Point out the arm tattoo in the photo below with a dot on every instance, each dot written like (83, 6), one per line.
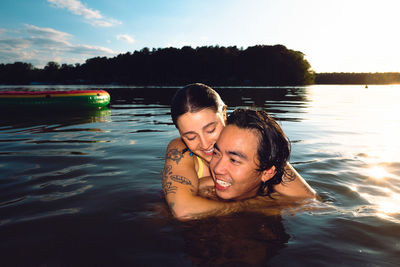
(288, 176)
(167, 186)
(175, 155)
(167, 176)
(181, 179)
(166, 172)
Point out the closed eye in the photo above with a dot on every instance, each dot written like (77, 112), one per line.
(212, 130)
(190, 138)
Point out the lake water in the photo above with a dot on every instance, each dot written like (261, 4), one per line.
(84, 189)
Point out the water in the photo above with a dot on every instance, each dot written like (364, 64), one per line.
(83, 189)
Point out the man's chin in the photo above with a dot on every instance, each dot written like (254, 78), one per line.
(223, 195)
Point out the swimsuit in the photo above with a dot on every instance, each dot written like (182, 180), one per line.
(201, 167)
(200, 171)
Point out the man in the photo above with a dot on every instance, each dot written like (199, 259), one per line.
(250, 156)
(249, 160)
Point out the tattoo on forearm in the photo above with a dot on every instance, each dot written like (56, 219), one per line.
(167, 186)
(175, 155)
(181, 179)
(166, 171)
(288, 176)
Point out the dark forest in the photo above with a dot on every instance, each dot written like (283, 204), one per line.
(214, 65)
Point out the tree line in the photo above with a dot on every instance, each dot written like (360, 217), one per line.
(358, 78)
(214, 65)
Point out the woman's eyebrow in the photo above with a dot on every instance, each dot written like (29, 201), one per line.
(204, 127)
(188, 132)
(209, 124)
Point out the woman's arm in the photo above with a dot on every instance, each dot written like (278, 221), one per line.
(293, 185)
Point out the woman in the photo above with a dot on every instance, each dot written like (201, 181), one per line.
(199, 114)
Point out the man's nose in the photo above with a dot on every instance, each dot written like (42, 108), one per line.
(219, 165)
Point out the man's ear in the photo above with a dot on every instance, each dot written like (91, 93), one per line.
(268, 174)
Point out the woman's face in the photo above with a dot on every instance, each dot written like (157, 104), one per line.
(200, 130)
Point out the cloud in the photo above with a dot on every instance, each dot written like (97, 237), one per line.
(38, 46)
(46, 33)
(90, 50)
(126, 38)
(92, 16)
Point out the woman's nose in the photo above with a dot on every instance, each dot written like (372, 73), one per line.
(204, 143)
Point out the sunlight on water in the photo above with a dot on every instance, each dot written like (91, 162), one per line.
(377, 172)
(367, 129)
(384, 204)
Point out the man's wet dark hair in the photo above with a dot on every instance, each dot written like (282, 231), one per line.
(193, 98)
(273, 145)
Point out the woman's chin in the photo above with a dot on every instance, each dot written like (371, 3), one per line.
(204, 156)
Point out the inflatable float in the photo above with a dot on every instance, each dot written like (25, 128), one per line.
(75, 99)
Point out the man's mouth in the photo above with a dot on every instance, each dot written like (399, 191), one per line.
(221, 185)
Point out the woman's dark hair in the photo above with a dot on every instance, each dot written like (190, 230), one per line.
(273, 146)
(195, 97)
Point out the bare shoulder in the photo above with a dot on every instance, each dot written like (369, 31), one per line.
(177, 142)
(176, 151)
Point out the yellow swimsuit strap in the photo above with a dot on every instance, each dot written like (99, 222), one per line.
(200, 171)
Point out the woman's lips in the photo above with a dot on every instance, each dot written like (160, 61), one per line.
(208, 152)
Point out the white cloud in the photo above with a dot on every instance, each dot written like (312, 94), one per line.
(76, 7)
(125, 37)
(90, 50)
(46, 33)
(38, 46)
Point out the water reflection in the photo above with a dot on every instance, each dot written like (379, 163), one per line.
(243, 239)
(276, 100)
(36, 121)
(232, 96)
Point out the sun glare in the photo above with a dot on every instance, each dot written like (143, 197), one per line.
(390, 205)
(386, 207)
(377, 172)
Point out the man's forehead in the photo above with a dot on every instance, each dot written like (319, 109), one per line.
(237, 140)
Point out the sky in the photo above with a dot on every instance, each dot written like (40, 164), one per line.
(335, 36)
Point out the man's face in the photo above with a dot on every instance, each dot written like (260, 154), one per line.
(234, 164)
